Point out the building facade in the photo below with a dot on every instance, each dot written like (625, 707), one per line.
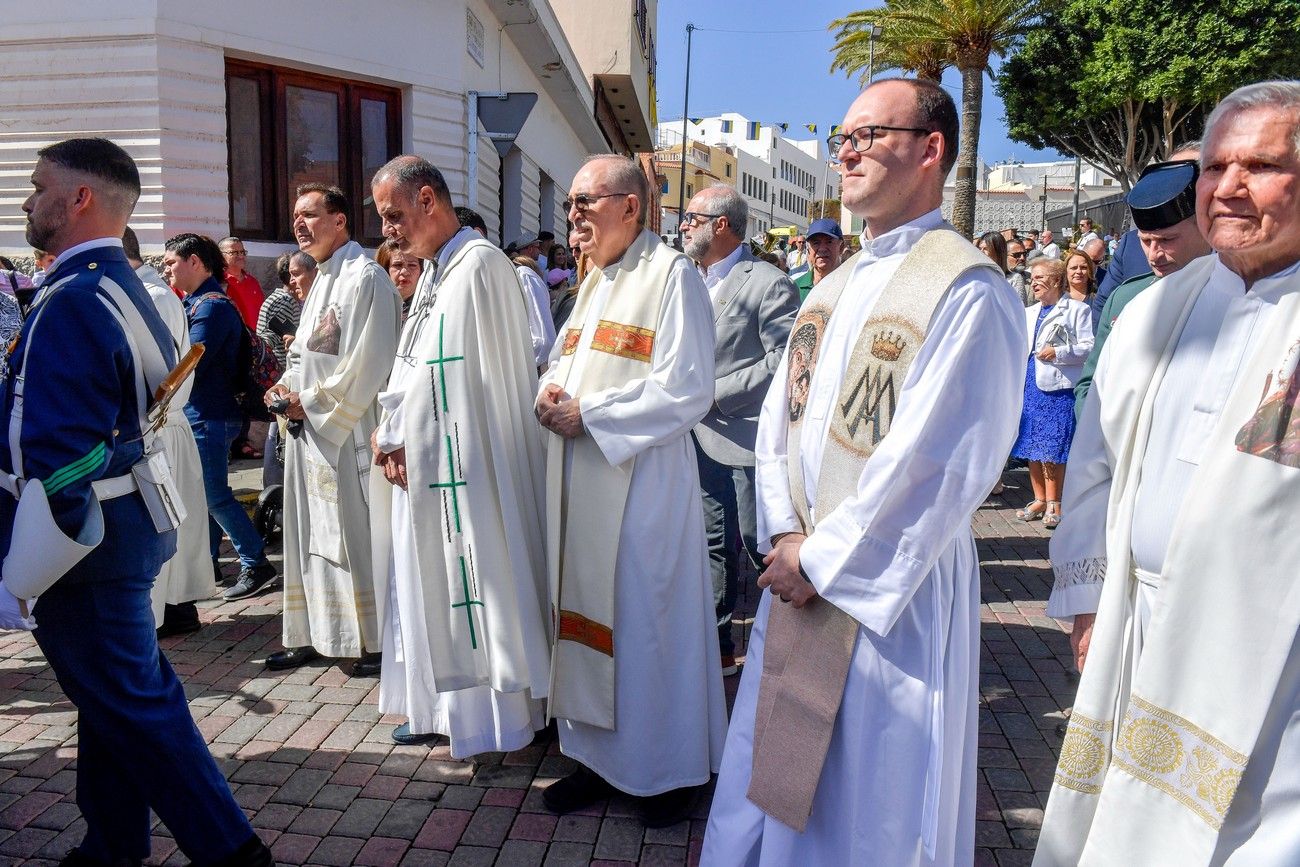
(779, 177)
(228, 107)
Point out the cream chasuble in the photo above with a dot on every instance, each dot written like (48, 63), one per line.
(1185, 736)
(341, 356)
(637, 685)
(461, 556)
(898, 783)
(187, 576)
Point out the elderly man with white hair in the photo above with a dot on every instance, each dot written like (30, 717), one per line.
(1184, 744)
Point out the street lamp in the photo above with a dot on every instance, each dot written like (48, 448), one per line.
(872, 35)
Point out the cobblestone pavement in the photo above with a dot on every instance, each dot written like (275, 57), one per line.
(311, 760)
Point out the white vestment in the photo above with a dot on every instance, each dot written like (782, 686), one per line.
(669, 703)
(341, 356)
(898, 784)
(537, 302)
(466, 652)
(187, 576)
(1149, 489)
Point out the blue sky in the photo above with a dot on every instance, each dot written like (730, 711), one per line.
(777, 69)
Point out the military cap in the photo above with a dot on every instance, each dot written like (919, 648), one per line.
(1164, 195)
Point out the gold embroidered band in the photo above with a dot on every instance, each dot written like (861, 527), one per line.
(585, 631)
(625, 341)
(570, 345)
(1172, 754)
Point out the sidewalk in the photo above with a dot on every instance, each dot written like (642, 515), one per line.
(311, 760)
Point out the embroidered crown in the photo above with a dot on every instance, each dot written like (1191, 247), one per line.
(887, 346)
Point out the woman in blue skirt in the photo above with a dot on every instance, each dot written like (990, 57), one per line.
(1060, 338)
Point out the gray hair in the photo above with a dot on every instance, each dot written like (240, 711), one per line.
(1283, 96)
(303, 260)
(411, 174)
(626, 176)
(732, 206)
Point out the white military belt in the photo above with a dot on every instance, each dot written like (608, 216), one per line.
(105, 489)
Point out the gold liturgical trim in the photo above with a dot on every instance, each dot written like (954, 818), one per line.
(1085, 754)
(1184, 761)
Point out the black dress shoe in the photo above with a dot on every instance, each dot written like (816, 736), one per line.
(669, 808)
(582, 788)
(252, 854)
(402, 735)
(179, 619)
(368, 665)
(291, 658)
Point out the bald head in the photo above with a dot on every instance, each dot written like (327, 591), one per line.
(1095, 250)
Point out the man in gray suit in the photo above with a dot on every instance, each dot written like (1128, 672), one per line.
(754, 306)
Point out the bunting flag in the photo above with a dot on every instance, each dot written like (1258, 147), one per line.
(698, 120)
(726, 126)
(835, 129)
(811, 127)
(783, 126)
(752, 130)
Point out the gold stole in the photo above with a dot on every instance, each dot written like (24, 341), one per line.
(807, 651)
(585, 516)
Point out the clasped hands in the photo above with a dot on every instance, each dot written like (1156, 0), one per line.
(783, 575)
(559, 413)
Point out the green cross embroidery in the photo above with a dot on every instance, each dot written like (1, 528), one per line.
(451, 487)
(442, 360)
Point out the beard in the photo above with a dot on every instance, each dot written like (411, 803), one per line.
(42, 231)
(699, 243)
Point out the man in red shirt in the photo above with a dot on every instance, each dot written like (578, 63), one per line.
(241, 287)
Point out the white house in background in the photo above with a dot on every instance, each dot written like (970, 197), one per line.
(787, 174)
(1029, 176)
(227, 107)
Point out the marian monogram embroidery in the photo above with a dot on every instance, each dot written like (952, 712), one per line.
(866, 404)
(1273, 432)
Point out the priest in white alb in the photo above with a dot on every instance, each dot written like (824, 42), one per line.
(637, 680)
(459, 534)
(188, 575)
(1183, 485)
(853, 735)
(341, 356)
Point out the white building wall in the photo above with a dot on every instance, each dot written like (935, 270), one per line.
(151, 76)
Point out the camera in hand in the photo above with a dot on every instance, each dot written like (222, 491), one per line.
(280, 406)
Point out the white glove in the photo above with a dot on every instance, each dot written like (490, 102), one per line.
(11, 613)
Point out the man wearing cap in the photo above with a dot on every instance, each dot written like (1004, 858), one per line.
(537, 298)
(1184, 741)
(754, 305)
(1163, 204)
(825, 247)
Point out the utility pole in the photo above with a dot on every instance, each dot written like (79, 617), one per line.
(1074, 211)
(872, 35)
(1043, 197)
(686, 102)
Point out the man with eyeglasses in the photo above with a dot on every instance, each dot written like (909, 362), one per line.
(754, 305)
(241, 286)
(1017, 273)
(636, 685)
(853, 736)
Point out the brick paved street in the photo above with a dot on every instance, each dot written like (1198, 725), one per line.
(311, 760)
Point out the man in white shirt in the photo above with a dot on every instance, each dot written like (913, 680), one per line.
(754, 305)
(1184, 741)
(1086, 233)
(1050, 248)
(853, 736)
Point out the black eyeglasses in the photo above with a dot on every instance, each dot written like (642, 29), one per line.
(694, 218)
(583, 201)
(1016, 255)
(862, 138)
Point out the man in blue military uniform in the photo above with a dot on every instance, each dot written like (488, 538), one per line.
(77, 460)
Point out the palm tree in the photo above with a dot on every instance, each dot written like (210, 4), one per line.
(894, 48)
(961, 33)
